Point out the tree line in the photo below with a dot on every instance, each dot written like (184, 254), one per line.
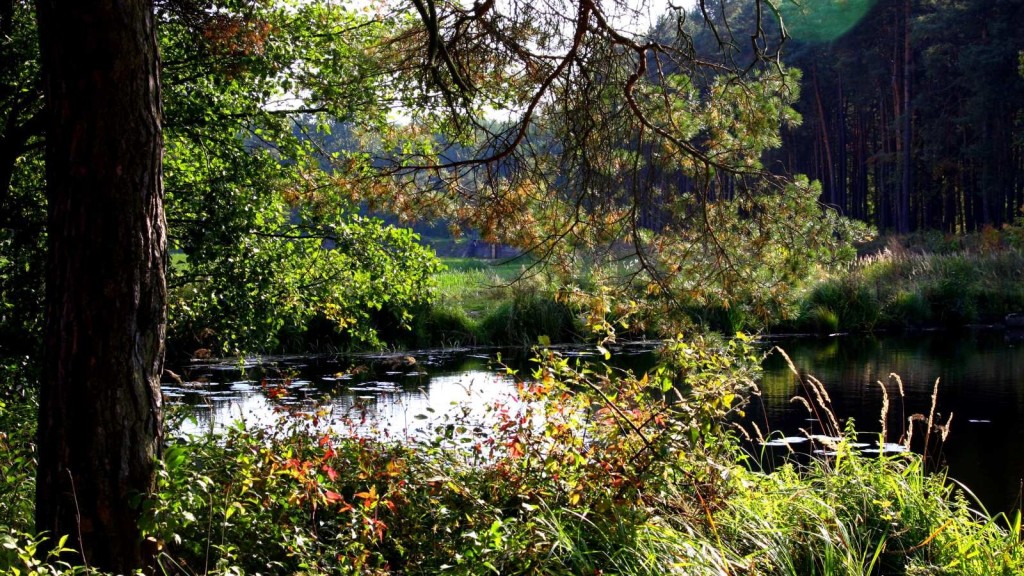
(912, 120)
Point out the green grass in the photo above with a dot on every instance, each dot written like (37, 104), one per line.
(901, 289)
(477, 286)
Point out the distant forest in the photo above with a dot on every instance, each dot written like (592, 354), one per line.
(912, 110)
(914, 118)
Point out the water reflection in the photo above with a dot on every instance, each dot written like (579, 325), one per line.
(981, 384)
(360, 396)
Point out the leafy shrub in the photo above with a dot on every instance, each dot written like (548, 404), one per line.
(907, 310)
(820, 319)
(568, 482)
(33, 555)
(528, 316)
(852, 304)
(18, 408)
(445, 325)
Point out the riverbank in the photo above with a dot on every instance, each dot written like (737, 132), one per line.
(900, 284)
(568, 483)
(902, 289)
(897, 284)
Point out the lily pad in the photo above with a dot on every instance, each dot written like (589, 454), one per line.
(787, 441)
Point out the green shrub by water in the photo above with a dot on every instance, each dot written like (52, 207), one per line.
(483, 303)
(527, 316)
(901, 289)
(840, 304)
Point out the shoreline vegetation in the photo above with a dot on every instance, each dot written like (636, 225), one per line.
(600, 472)
(910, 283)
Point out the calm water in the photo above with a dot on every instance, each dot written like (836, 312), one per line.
(982, 384)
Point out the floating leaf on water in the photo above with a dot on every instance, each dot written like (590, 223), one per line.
(787, 441)
(824, 439)
(887, 448)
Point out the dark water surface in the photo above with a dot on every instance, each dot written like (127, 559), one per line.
(981, 382)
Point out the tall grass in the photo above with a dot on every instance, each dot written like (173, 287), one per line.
(903, 289)
(846, 513)
(855, 515)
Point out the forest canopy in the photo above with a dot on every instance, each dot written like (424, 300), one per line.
(551, 126)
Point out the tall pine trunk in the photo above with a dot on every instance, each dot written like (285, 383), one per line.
(100, 405)
(906, 158)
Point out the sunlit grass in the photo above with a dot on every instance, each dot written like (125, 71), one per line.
(903, 289)
(477, 286)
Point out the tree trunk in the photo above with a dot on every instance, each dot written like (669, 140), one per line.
(828, 168)
(100, 405)
(906, 160)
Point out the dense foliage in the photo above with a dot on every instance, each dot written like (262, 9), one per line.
(263, 245)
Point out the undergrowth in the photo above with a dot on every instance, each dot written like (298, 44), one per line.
(589, 470)
(904, 289)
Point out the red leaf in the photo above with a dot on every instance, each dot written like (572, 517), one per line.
(331, 472)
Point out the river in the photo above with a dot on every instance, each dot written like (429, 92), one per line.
(980, 373)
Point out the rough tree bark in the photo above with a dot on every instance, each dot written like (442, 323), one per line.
(100, 413)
